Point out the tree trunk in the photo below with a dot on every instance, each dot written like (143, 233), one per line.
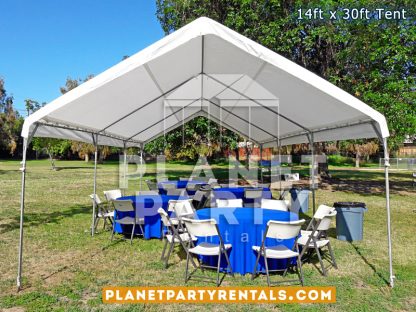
(87, 158)
(357, 160)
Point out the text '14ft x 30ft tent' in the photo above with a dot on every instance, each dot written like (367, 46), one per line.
(206, 69)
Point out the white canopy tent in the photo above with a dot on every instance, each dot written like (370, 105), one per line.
(206, 69)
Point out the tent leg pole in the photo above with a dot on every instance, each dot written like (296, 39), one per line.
(22, 210)
(386, 173)
(141, 166)
(261, 167)
(94, 205)
(311, 140)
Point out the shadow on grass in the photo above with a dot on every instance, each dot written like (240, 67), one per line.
(73, 168)
(370, 265)
(36, 219)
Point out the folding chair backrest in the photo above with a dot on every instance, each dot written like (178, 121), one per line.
(274, 204)
(283, 230)
(212, 180)
(322, 211)
(97, 199)
(123, 205)
(112, 194)
(199, 195)
(253, 193)
(151, 185)
(326, 221)
(193, 186)
(176, 192)
(264, 185)
(165, 217)
(224, 203)
(147, 193)
(183, 208)
(202, 228)
(168, 186)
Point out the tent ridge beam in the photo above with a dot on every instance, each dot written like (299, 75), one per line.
(148, 103)
(241, 118)
(257, 102)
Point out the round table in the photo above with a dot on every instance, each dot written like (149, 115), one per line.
(244, 228)
(146, 206)
(179, 184)
(238, 192)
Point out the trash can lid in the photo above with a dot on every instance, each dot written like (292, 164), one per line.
(349, 205)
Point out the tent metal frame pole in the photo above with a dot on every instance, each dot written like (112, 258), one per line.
(22, 209)
(386, 173)
(141, 166)
(26, 142)
(124, 168)
(261, 161)
(94, 204)
(312, 148)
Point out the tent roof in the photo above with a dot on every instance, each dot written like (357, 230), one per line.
(206, 69)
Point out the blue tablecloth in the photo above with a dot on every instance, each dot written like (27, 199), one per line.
(146, 206)
(237, 192)
(179, 185)
(243, 228)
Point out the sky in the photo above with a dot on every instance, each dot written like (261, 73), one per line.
(45, 41)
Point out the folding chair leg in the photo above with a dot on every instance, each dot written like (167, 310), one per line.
(229, 263)
(253, 275)
(287, 267)
(218, 269)
(267, 270)
(187, 267)
(132, 234)
(299, 269)
(169, 252)
(164, 250)
(320, 260)
(113, 230)
(331, 252)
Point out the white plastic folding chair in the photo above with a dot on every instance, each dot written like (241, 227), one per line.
(126, 206)
(321, 212)
(206, 228)
(280, 230)
(225, 203)
(110, 196)
(317, 238)
(253, 194)
(212, 181)
(183, 208)
(274, 204)
(173, 237)
(101, 212)
(199, 199)
(185, 179)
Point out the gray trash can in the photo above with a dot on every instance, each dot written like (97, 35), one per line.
(300, 200)
(350, 219)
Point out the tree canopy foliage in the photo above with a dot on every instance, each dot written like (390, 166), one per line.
(373, 60)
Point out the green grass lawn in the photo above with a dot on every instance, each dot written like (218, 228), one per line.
(65, 268)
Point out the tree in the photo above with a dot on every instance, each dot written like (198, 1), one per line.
(373, 60)
(51, 146)
(82, 149)
(10, 122)
(198, 138)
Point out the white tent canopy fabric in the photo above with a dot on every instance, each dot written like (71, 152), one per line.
(205, 69)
